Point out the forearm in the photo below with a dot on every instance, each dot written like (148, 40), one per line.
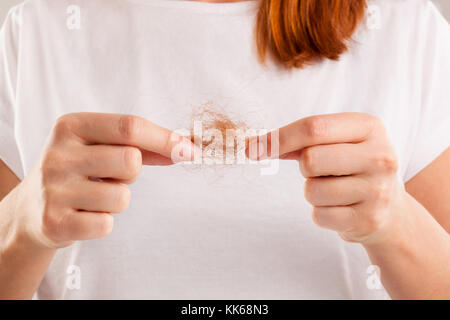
(414, 259)
(23, 263)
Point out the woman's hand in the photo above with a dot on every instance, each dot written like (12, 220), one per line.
(81, 177)
(350, 169)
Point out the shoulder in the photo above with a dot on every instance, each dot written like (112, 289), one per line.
(407, 12)
(42, 16)
(55, 9)
(401, 4)
(405, 26)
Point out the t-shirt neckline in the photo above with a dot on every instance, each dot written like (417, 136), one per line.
(240, 7)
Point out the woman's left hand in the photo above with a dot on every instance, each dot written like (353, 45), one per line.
(350, 167)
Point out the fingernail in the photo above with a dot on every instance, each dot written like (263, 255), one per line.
(183, 151)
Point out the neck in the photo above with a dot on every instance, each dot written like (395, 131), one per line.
(220, 1)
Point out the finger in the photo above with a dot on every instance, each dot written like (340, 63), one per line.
(335, 191)
(116, 129)
(340, 219)
(155, 159)
(344, 159)
(294, 155)
(315, 130)
(333, 160)
(100, 197)
(106, 161)
(79, 225)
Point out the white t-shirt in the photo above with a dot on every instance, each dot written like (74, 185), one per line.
(228, 233)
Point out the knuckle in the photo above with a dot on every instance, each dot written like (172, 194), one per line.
(315, 127)
(307, 162)
(129, 127)
(52, 222)
(376, 123)
(64, 125)
(123, 199)
(386, 162)
(105, 225)
(48, 195)
(318, 217)
(310, 190)
(375, 220)
(49, 220)
(53, 165)
(133, 161)
(378, 129)
(50, 164)
(381, 193)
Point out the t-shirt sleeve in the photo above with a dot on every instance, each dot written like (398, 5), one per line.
(9, 52)
(432, 133)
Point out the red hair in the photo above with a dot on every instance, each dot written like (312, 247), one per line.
(299, 32)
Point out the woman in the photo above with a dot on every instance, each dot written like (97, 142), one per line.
(359, 90)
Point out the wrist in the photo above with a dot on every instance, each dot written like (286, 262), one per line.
(18, 231)
(395, 231)
(23, 261)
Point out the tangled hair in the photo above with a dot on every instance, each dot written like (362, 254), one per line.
(221, 133)
(299, 32)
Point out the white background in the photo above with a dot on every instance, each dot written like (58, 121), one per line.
(6, 4)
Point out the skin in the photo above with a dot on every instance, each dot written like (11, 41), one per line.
(350, 169)
(356, 195)
(404, 230)
(59, 203)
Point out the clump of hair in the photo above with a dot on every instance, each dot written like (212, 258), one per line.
(220, 138)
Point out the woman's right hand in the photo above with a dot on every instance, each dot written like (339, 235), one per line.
(82, 175)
